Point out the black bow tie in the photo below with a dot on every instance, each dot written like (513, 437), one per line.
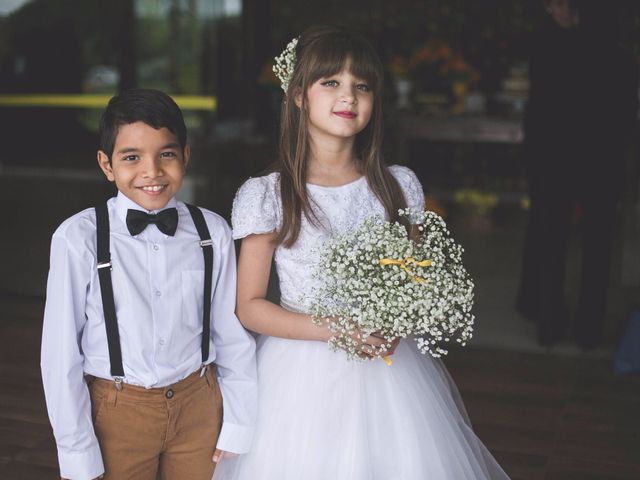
(166, 221)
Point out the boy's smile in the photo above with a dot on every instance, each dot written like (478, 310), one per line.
(147, 165)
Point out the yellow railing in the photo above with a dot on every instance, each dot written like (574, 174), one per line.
(90, 100)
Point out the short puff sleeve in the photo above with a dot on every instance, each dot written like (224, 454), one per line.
(256, 207)
(410, 185)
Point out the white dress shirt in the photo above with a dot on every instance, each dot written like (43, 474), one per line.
(158, 288)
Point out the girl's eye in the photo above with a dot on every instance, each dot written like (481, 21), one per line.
(130, 158)
(363, 87)
(329, 83)
(168, 154)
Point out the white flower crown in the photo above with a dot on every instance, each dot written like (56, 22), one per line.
(285, 64)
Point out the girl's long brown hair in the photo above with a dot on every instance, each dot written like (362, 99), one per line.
(322, 52)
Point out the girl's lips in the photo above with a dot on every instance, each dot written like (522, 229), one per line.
(346, 114)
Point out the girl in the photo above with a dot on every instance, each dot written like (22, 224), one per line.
(321, 415)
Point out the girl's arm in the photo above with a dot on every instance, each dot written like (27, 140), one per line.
(257, 313)
(260, 315)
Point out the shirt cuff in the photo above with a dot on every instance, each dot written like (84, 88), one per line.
(235, 438)
(85, 465)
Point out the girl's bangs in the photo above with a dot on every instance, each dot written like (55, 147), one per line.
(331, 59)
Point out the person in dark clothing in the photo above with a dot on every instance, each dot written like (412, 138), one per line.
(582, 102)
(610, 86)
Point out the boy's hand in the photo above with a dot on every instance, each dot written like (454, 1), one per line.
(220, 454)
(216, 455)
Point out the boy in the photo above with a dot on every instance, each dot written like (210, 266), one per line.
(130, 384)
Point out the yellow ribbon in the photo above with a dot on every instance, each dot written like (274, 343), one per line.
(402, 263)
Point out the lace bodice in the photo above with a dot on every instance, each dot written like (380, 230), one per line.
(257, 209)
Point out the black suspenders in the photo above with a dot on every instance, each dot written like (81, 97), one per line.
(207, 251)
(106, 287)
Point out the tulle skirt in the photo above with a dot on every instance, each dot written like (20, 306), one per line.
(324, 417)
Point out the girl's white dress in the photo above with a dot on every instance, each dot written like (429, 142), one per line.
(324, 417)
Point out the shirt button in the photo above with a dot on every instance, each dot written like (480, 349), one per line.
(158, 293)
(156, 247)
(169, 394)
(161, 342)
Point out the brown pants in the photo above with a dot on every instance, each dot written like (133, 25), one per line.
(159, 433)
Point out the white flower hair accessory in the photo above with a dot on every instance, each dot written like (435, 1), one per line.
(285, 64)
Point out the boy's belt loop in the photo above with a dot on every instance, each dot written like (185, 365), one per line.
(117, 383)
(210, 376)
(112, 397)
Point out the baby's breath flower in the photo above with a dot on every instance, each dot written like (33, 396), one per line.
(400, 297)
(285, 64)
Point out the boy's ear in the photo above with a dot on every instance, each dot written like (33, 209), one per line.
(105, 165)
(186, 154)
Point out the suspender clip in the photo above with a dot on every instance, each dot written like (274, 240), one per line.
(206, 243)
(118, 383)
(105, 265)
(203, 369)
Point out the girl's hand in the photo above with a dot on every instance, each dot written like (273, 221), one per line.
(367, 346)
(373, 342)
(394, 344)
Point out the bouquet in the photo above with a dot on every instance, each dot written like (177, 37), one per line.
(376, 279)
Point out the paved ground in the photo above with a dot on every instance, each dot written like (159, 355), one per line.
(544, 416)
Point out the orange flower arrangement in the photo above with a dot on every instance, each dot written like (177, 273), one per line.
(434, 51)
(435, 67)
(458, 70)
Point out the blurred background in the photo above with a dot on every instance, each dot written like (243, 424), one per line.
(457, 86)
(456, 89)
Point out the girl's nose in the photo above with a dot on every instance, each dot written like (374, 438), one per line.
(348, 96)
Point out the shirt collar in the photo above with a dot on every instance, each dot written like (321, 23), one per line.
(124, 203)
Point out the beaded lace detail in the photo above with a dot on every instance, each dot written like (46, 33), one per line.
(257, 209)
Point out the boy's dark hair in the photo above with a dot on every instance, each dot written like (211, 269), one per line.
(153, 107)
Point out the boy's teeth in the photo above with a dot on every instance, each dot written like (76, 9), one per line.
(153, 188)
